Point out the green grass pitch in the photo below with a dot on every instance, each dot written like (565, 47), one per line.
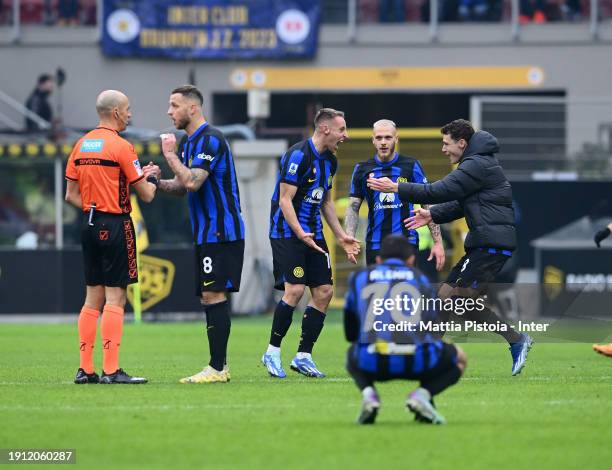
(556, 414)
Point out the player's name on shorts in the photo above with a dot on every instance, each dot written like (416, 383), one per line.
(453, 326)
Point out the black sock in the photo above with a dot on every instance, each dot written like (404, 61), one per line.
(488, 316)
(218, 330)
(312, 324)
(435, 385)
(283, 316)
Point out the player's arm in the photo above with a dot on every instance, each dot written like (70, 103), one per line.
(351, 219)
(173, 187)
(285, 201)
(447, 212)
(458, 184)
(437, 250)
(73, 194)
(348, 242)
(190, 178)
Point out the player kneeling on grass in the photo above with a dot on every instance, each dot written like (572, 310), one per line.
(388, 343)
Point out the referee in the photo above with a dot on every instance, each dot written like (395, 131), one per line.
(100, 171)
(204, 168)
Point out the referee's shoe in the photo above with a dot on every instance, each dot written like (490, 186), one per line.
(121, 377)
(83, 377)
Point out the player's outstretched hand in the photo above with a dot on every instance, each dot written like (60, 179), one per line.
(601, 235)
(168, 142)
(384, 185)
(308, 239)
(351, 247)
(420, 218)
(437, 252)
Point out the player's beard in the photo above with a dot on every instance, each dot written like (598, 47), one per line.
(182, 123)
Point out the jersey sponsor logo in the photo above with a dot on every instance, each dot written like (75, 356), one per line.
(293, 168)
(387, 201)
(203, 156)
(298, 272)
(92, 145)
(316, 196)
(136, 164)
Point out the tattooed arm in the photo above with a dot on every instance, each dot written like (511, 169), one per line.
(351, 219)
(191, 178)
(173, 187)
(434, 228)
(437, 250)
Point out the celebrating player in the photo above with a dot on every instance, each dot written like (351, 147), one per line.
(299, 250)
(479, 191)
(385, 211)
(205, 169)
(100, 171)
(392, 343)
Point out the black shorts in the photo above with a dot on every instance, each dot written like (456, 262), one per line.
(428, 360)
(296, 263)
(478, 268)
(218, 266)
(109, 250)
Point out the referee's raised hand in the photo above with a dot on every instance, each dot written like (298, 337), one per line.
(308, 239)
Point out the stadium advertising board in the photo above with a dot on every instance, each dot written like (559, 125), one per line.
(209, 29)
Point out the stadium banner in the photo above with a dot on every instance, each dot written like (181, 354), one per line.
(211, 29)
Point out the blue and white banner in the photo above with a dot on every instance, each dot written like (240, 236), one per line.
(211, 29)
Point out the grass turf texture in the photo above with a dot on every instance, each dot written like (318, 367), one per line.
(556, 414)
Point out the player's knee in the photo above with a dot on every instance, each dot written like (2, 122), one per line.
(293, 293)
(323, 294)
(209, 298)
(461, 359)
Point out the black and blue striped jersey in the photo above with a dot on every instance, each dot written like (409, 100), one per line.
(312, 173)
(385, 210)
(214, 209)
(383, 300)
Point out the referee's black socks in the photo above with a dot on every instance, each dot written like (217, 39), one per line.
(312, 324)
(218, 325)
(283, 316)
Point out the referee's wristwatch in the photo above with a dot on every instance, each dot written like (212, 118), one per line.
(153, 179)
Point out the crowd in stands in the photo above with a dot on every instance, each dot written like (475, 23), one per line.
(83, 12)
(537, 11)
(399, 11)
(51, 12)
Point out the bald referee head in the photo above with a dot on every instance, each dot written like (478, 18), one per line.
(113, 108)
